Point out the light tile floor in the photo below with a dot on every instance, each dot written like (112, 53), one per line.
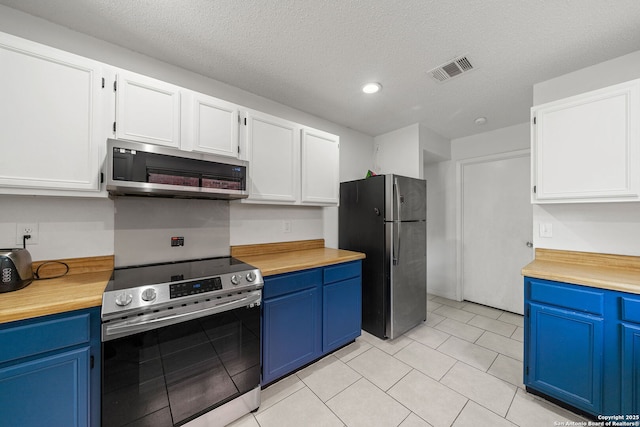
(462, 367)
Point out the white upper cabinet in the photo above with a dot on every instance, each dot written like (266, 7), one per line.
(289, 163)
(147, 110)
(586, 148)
(274, 158)
(320, 167)
(53, 130)
(58, 109)
(210, 125)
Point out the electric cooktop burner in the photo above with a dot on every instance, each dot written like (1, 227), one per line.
(154, 274)
(143, 288)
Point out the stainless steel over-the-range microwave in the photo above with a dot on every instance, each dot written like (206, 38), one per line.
(139, 169)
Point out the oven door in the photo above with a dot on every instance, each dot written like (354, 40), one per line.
(180, 367)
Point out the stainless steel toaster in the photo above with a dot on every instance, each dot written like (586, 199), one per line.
(15, 269)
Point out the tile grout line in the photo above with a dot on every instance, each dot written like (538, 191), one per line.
(511, 404)
(400, 403)
(325, 403)
(480, 404)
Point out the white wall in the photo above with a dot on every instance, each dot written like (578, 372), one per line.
(356, 158)
(355, 151)
(441, 243)
(68, 227)
(264, 223)
(435, 151)
(498, 141)
(433, 147)
(398, 152)
(590, 227)
(442, 198)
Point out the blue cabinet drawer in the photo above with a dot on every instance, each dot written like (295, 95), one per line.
(579, 298)
(342, 271)
(286, 283)
(630, 309)
(36, 336)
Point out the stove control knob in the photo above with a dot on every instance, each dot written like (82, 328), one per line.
(123, 299)
(251, 276)
(149, 294)
(235, 279)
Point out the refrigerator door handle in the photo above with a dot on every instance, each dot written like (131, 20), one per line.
(398, 222)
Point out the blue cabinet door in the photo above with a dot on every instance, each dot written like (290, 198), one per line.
(53, 391)
(291, 332)
(341, 313)
(630, 369)
(50, 367)
(565, 356)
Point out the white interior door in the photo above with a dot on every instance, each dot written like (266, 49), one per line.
(496, 224)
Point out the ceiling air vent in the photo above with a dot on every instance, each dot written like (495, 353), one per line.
(451, 69)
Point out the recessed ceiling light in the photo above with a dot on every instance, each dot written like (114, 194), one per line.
(481, 121)
(371, 87)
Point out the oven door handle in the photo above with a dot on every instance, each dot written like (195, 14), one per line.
(129, 327)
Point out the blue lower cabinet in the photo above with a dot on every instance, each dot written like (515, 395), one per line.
(341, 313)
(291, 336)
(582, 346)
(630, 369)
(50, 370)
(52, 390)
(566, 356)
(307, 314)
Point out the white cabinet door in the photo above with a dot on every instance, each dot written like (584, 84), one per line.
(320, 167)
(274, 165)
(587, 148)
(211, 125)
(52, 130)
(147, 110)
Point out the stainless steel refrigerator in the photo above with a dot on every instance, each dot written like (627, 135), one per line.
(385, 217)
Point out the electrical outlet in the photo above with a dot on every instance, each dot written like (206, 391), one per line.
(286, 226)
(31, 228)
(546, 229)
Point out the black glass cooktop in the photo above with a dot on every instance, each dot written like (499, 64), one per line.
(155, 274)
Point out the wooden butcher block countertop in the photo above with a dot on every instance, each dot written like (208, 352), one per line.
(277, 258)
(81, 288)
(84, 285)
(605, 271)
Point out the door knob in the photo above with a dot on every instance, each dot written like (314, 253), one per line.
(529, 244)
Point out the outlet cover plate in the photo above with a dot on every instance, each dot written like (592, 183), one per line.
(31, 228)
(546, 229)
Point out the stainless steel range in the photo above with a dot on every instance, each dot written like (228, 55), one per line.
(181, 343)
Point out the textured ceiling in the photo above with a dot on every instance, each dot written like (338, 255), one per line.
(314, 55)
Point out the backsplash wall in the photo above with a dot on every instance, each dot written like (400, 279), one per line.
(144, 227)
(69, 227)
(266, 223)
